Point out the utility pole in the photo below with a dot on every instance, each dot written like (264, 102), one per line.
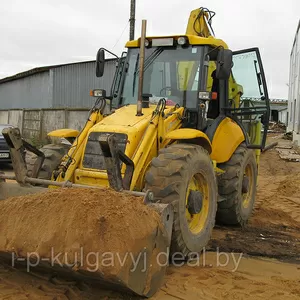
(132, 20)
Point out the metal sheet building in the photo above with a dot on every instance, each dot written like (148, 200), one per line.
(294, 89)
(66, 85)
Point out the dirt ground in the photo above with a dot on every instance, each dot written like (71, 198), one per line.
(261, 261)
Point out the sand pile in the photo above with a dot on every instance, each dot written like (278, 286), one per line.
(85, 227)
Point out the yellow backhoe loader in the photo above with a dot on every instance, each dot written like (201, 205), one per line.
(183, 126)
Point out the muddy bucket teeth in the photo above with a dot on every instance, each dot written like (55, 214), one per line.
(39, 230)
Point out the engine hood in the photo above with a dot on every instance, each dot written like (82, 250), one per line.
(125, 117)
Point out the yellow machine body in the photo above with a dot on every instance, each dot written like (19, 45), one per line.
(119, 148)
(146, 135)
(149, 133)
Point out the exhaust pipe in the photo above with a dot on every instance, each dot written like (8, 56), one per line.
(141, 73)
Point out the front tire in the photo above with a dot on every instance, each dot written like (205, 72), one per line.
(53, 156)
(183, 175)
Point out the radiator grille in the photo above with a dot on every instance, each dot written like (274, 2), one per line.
(93, 156)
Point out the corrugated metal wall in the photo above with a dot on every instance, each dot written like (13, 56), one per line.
(294, 86)
(65, 86)
(72, 83)
(28, 92)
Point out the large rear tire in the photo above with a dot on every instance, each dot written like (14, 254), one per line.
(237, 187)
(183, 175)
(53, 155)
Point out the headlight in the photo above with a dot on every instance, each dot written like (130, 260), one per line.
(98, 93)
(205, 96)
(182, 40)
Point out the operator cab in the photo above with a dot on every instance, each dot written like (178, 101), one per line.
(188, 71)
(176, 69)
(171, 71)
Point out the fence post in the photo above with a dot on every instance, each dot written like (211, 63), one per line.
(8, 117)
(66, 122)
(41, 124)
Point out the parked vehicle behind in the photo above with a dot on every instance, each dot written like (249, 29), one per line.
(4, 149)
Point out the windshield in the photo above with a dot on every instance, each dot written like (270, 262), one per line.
(169, 72)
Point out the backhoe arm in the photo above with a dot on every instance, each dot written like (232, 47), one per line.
(199, 22)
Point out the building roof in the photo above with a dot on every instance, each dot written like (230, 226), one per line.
(43, 69)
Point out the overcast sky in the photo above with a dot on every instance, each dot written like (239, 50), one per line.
(45, 32)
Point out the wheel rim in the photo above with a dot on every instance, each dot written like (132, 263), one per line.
(196, 222)
(248, 195)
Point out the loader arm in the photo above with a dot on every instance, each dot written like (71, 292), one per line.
(70, 163)
(156, 133)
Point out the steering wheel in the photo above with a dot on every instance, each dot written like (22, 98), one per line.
(165, 88)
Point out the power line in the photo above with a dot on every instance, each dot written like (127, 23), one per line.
(120, 36)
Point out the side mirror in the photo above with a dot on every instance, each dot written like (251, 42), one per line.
(100, 61)
(224, 64)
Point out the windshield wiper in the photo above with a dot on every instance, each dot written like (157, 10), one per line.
(258, 77)
(135, 73)
(147, 63)
(152, 57)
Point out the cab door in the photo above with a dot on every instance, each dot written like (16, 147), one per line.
(253, 110)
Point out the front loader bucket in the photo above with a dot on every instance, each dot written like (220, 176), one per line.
(101, 236)
(119, 240)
